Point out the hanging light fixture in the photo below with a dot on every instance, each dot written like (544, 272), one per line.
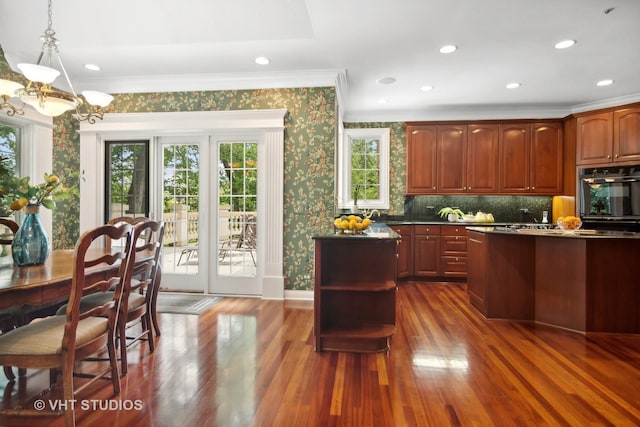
(41, 95)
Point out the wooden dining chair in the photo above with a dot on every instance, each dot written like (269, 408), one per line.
(58, 342)
(157, 273)
(128, 220)
(7, 317)
(138, 294)
(139, 297)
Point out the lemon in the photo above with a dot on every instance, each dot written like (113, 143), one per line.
(366, 223)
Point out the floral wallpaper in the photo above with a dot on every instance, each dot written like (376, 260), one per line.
(309, 140)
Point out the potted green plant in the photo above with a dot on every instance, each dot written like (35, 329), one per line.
(452, 214)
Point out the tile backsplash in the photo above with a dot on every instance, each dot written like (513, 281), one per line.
(503, 208)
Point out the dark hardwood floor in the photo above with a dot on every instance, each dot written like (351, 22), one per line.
(248, 362)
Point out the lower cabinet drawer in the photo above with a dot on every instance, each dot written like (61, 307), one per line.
(454, 266)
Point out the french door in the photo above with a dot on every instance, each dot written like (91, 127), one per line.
(209, 188)
(180, 181)
(237, 206)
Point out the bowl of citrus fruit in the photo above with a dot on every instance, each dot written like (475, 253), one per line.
(569, 223)
(351, 224)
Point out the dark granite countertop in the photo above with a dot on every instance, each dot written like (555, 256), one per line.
(377, 230)
(461, 223)
(557, 233)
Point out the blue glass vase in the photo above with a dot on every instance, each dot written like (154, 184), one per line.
(30, 244)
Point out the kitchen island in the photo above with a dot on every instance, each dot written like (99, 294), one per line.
(355, 290)
(584, 281)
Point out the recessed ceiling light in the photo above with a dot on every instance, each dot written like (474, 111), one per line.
(386, 81)
(92, 67)
(382, 101)
(513, 85)
(426, 88)
(448, 48)
(565, 44)
(261, 60)
(605, 82)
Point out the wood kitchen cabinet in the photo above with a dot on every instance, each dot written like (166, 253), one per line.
(626, 135)
(405, 249)
(531, 158)
(485, 158)
(594, 138)
(439, 251)
(421, 159)
(467, 158)
(354, 292)
(608, 137)
(426, 250)
(451, 159)
(482, 158)
(453, 251)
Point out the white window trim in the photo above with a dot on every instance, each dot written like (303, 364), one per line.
(345, 198)
(36, 152)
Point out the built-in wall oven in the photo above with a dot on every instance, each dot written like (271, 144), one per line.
(609, 198)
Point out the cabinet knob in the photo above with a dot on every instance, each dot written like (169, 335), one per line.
(617, 155)
(457, 236)
(608, 157)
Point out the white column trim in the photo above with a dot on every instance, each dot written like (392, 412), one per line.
(273, 278)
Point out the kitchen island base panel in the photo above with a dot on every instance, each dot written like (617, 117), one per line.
(500, 272)
(560, 291)
(579, 282)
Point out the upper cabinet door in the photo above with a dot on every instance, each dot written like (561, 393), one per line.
(514, 158)
(421, 159)
(452, 158)
(626, 135)
(546, 158)
(482, 158)
(594, 138)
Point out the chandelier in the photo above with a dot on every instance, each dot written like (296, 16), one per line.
(41, 95)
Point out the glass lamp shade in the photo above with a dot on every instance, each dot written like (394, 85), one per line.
(100, 99)
(39, 73)
(52, 106)
(9, 88)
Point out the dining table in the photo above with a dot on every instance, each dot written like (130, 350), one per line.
(38, 286)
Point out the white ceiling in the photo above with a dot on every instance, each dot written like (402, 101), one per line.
(167, 45)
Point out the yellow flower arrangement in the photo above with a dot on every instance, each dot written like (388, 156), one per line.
(20, 193)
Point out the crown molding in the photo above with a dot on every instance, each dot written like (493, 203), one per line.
(205, 82)
(606, 103)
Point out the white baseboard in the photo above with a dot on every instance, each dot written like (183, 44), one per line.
(298, 295)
